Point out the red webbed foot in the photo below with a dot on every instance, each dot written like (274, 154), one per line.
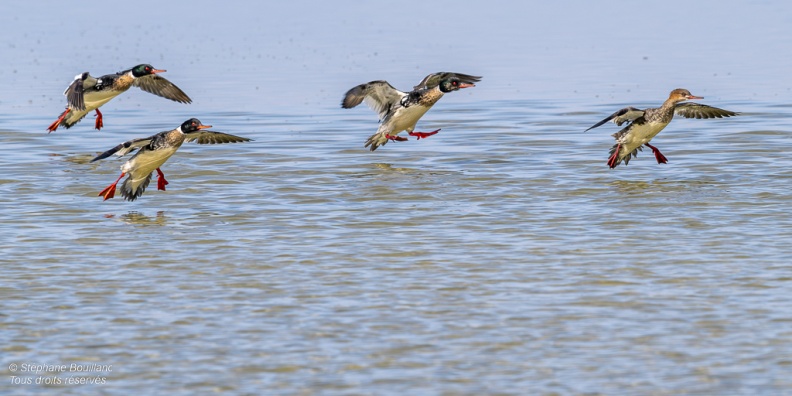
(57, 122)
(614, 159)
(161, 182)
(99, 123)
(109, 191)
(423, 134)
(396, 138)
(661, 159)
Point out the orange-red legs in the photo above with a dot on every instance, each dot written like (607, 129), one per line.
(423, 134)
(57, 122)
(614, 159)
(396, 138)
(661, 159)
(161, 182)
(99, 123)
(109, 191)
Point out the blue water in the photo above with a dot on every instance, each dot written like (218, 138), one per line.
(500, 256)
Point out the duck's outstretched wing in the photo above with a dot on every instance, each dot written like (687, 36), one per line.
(160, 86)
(125, 148)
(695, 110)
(212, 137)
(75, 91)
(434, 79)
(620, 117)
(379, 95)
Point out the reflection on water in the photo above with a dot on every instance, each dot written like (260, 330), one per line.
(499, 256)
(137, 218)
(662, 186)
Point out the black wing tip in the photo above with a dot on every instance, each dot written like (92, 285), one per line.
(183, 98)
(100, 157)
(215, 137)
(592, 127)
(599, 124)
(354, 97)
(348, 103)
(432, 80)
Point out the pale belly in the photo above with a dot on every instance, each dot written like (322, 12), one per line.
(638, 136)
(145, 162)
(93, 101)
(403, 120)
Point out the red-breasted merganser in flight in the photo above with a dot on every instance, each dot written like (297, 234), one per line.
(87, 93)
(400, 111)
(154, 151)
(646, 124)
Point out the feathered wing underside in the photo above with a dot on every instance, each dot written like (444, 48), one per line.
(434, 79)
(160, 86)
(76, 90)
(125, 148)
(379, 95)
(696, 110)
(212, 137)
(627, 114)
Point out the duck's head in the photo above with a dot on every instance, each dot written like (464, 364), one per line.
(681, 94)
(193, 125)
(144, 70)
(452, 84)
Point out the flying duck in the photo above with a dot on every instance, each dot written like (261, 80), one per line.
(400, 111)
(87, 93)
(643, 125)
(154, 151)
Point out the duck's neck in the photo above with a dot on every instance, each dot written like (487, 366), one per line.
(431, 96)
(665, 112)
(669, 105)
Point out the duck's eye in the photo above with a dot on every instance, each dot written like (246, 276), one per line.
(148, 68)
(454, 83)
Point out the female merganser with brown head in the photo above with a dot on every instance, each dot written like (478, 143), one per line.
(154, 151)
(87, 93)
(400, 111)
(643, 125)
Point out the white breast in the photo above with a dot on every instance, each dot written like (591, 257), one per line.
(146, 161)
(403, 119)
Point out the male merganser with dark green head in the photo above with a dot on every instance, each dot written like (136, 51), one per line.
(400, 111)
(154, 151)
(87, 93)
(643, 125)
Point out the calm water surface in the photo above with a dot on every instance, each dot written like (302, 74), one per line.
(500, 256)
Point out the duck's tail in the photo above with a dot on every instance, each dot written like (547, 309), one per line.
(381, 138)
(616, 158)
(134, 187)
(376, 140)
